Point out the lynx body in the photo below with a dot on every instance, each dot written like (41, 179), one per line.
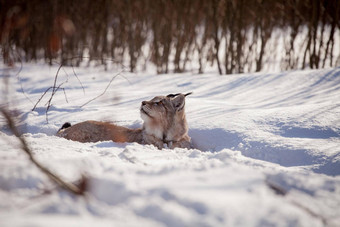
(165, 125)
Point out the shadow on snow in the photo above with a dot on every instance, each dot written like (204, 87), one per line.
(217, 139)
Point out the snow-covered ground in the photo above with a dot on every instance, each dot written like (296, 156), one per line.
(252, 132)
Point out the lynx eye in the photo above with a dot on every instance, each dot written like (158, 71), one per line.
(158, 103)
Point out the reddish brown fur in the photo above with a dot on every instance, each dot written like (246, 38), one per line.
(94, 131)
(164, 123)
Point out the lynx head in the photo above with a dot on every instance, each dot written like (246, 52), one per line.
(164, 115)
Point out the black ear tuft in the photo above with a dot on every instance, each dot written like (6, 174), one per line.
(65, 125)
(172, 95)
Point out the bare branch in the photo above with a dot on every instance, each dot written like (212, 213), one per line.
(107, 87)
(17, 75)
(56, 87)
(75, 74)
(73, 188)
(41, 97)
(283, 192)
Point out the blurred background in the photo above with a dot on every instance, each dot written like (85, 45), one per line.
(227, 36)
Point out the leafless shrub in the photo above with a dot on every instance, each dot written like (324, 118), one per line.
(59, 86)
(235, 33)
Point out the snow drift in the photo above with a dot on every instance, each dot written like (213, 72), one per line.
(255, 136)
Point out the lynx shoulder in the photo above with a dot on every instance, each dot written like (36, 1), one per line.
(164, 125)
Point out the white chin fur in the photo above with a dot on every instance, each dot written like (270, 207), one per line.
(144, 116)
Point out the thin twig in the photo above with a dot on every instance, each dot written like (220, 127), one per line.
(276, 188)
(74, 189)
(17, 75)
(65, 94)
(75, 74)
(107, 87)
(55, 88)
(283, 192)
(54, 91)
(49, 102)
(41, 97)
(56, 78)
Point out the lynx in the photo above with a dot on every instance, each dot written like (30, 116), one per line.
(164, 126)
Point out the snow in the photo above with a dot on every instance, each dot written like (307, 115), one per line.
(252, 133)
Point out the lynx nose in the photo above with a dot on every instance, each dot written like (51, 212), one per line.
(143, 103)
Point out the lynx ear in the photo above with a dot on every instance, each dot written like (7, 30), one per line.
(172, 95)
(178, 102)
